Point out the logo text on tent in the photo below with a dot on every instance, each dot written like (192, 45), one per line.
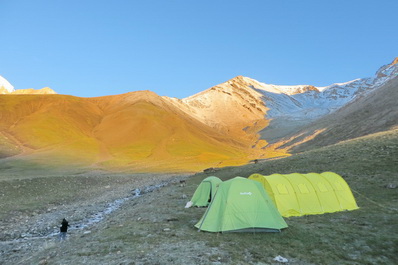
(246, 193)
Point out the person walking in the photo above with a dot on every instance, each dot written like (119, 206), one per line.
(63, 229)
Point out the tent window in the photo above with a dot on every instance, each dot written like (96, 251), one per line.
(322, 187)
(282, 189)
(303, 188)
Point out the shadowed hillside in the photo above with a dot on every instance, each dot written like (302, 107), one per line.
(375, 112)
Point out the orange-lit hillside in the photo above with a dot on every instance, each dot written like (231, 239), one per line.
(140, 131)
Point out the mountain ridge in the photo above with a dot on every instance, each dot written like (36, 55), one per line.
(44, 90)
(228, 124)
(368, 114)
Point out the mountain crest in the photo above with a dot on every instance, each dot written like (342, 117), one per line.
(44, 90)
(227, 124)
(7, 88)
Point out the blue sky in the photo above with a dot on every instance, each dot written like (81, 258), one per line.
(179, 48)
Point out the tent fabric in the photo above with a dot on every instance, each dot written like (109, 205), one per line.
(205, 192)
(305, 194)
(241, 205)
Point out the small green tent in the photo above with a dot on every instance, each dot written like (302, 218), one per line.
(303, 194)
(241, 205)
(204, 192)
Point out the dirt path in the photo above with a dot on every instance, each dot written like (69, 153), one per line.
(29, 235)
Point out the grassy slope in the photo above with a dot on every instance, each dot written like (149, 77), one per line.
(135, 234)
(365, 236)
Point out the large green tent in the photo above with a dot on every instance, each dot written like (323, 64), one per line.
(303, 194)
(241, 205)
(204, 192)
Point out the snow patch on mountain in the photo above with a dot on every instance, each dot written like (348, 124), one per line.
(309, 102)
(243, 99)
(288, 112)
(5, 86)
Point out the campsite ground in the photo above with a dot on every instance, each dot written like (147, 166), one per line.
(155, 228)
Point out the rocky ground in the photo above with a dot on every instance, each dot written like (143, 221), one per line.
(111, 224)
(25, 233)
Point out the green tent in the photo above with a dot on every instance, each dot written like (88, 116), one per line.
(241, 205)
(204, 192)
(303, 194)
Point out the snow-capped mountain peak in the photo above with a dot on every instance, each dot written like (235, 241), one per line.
(5, 86)
(242, 99)
(318, 101)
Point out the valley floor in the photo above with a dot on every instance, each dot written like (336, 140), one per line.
(155, 228)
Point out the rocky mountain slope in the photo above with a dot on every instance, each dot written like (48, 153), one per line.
(374, 112)
(291, 110)
(308, 102)
(278, 110)
(232, 108)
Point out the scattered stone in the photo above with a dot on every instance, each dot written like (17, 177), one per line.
(45, 224)
(136, 192)
(183, 183)
(184, 196)
(210, 170)
(281, 259)
(43, 262)
(391, 186)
